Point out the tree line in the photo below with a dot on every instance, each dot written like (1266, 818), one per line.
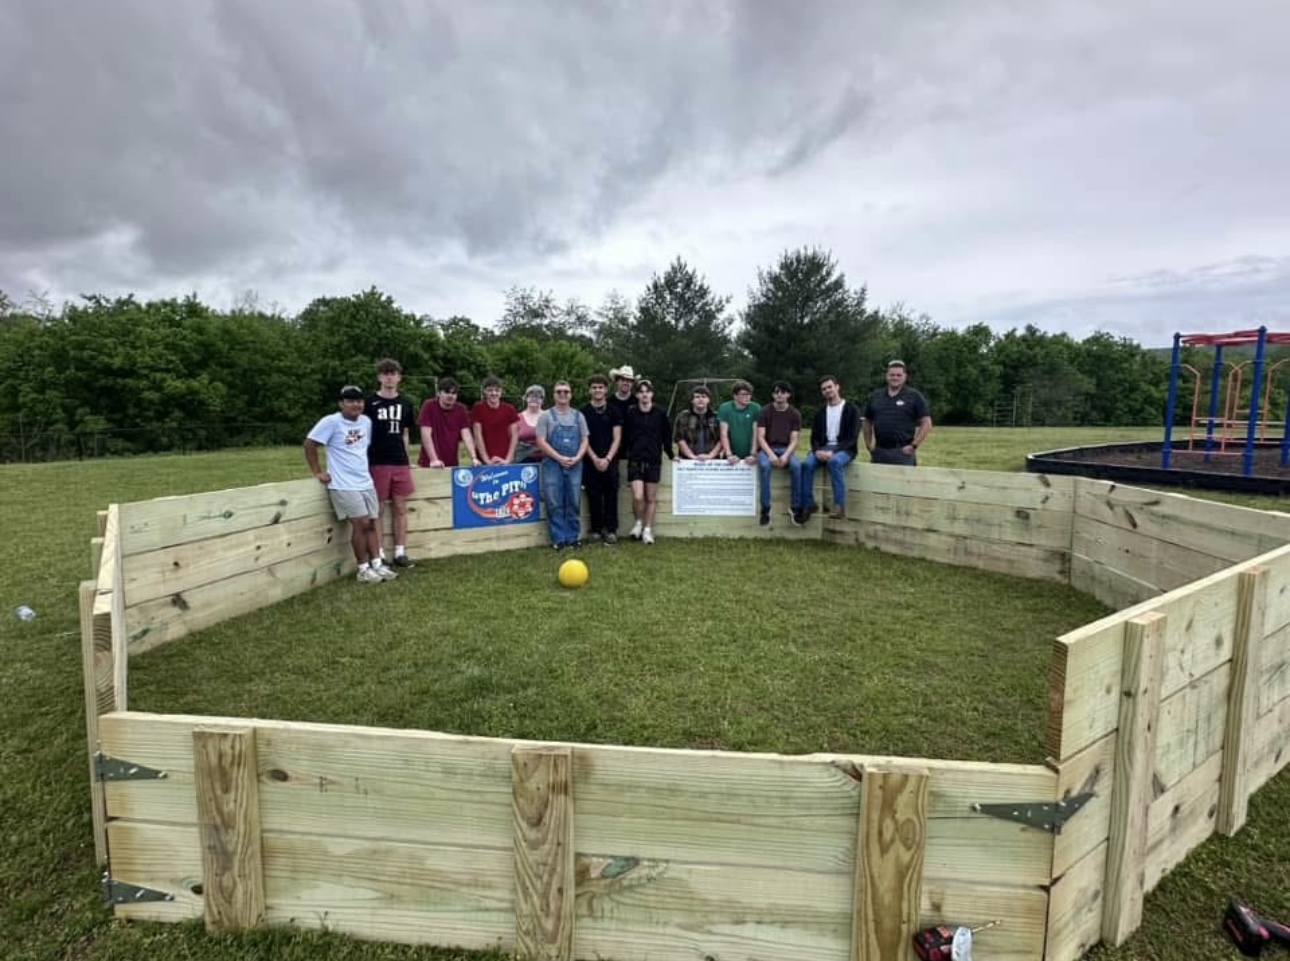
(116, 375)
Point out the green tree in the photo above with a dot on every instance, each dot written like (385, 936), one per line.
(536, 314)
(1129, 385)
(958, 373)
(342, 338)
(802, 322)
(678, 329)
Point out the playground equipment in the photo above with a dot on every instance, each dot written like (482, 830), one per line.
(1223, 430)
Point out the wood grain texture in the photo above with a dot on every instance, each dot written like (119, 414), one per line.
(226, 782)
(1181, 819)
(1131, 792)
(542, 804)
(1091, 771)
(1075, 908)
(1242, 699)
(1113, 588)
(891, 837)
(91, 679)
(186, 518)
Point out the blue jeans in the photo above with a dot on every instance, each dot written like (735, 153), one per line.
(794, 478)
(562, 487)
(837, 465)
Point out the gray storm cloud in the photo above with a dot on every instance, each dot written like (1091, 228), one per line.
(993, 160)
(211, 128)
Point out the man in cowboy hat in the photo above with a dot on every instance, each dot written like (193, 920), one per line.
(624, 395)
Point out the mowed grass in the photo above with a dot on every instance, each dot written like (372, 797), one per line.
(50, 907)
(738, 645)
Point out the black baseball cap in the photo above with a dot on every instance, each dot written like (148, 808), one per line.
(350, 392)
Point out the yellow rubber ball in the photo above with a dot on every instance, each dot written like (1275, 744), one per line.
(574, 574)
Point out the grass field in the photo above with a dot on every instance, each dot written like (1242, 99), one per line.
(50, 907)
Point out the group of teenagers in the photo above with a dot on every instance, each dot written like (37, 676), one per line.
(367, 443)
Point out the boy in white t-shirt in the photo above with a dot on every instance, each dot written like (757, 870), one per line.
(346, 435)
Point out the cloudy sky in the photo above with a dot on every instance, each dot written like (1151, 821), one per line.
(1078, 164)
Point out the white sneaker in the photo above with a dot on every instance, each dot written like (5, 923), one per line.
(636, 531)
(384, 573)
(369, 576)
(647, 536)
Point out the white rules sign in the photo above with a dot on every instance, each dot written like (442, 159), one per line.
(713, 488)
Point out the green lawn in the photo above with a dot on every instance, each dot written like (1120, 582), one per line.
(822, 698)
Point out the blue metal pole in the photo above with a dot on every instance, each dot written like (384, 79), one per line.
(1247, 462)
(1166, 451)
(1215, 382)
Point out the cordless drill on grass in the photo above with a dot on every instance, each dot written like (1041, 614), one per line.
(1251, 933)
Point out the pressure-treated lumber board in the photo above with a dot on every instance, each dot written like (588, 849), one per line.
(1091, 771)
(684, 910)
(1051, 492)
(1242, 700)
(185, 567)
(1273, 678)
(96, 556)
(626, 907)
(1181, 819)
(166, 619)
(1271, 748)
(1191, 727)
(1225, 531)
(109, 563)
(891, 838)
(96, 674)
(109, 601)
(384, 890)
(1020, 560)
(1075, 908)
(542, 805)
(708, 807)
(1085, 668)
(1113, 588)
(1143, 558)
(1011, 525)
(182, 519)
(1144, 638)
(226, 785)
(1277, 609)
(478, 540)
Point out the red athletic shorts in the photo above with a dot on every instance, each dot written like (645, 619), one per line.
(391, 481)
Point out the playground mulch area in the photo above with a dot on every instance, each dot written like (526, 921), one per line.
(1267, 459)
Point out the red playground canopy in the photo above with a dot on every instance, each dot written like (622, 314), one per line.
(1234, 339)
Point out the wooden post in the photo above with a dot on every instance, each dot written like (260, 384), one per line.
(891, 840)
(1135, 756)
(226, 778)
(1242, 699)
(542, 806)
(96, 556)
(96, 675)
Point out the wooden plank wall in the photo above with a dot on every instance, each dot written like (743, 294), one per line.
(1219, 654)
(1129, 544)
(1016, 524)
(432, 838)
(192, 561)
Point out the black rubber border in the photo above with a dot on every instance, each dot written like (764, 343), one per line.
(1067, 461)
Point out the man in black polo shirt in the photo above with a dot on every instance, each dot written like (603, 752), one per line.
(896, 420)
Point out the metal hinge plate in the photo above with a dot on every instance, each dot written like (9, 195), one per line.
(123, 892)
(112, 769)
(1048, 816)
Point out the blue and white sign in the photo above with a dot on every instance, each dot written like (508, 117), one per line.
(491, 496)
